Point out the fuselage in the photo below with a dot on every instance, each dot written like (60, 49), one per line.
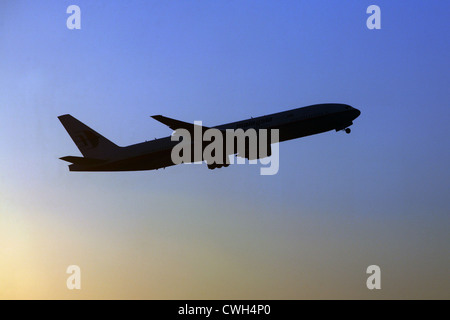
(292, 124)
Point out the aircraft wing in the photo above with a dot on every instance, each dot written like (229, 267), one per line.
(177, 124)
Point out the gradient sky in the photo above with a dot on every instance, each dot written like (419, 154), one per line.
(338, 204)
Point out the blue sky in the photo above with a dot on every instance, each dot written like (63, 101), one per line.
(338, 204)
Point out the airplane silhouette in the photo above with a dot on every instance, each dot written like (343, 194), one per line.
(100, 154)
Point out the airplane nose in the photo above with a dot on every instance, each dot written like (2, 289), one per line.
(356, 113)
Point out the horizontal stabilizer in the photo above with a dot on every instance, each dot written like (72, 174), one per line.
(83, 161)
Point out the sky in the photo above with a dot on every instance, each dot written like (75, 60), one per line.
(339, 203)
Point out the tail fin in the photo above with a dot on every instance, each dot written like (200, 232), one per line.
(90, 143)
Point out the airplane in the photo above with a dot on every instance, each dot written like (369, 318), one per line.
(100, 154)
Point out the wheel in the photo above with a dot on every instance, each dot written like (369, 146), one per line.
(348, 130)
(212, 166)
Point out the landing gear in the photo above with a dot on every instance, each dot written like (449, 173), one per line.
(347, 130)
(215, 165)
